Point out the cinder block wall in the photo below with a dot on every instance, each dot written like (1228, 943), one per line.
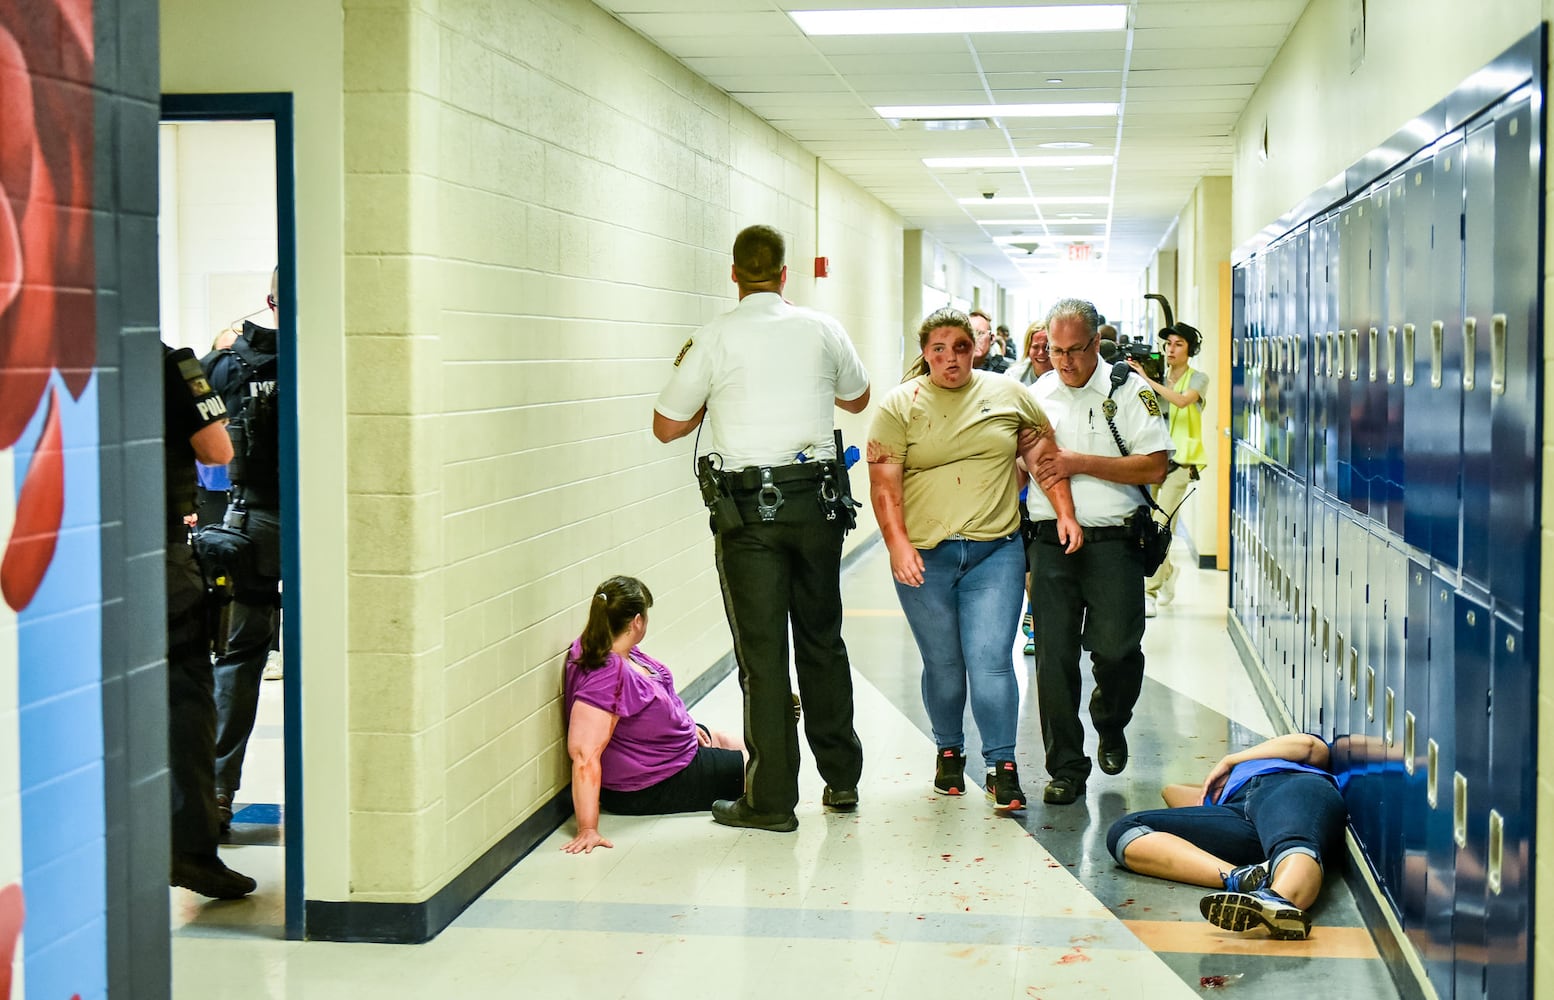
(539, 209)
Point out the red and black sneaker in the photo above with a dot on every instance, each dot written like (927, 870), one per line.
(1003, 787)
(950, 772)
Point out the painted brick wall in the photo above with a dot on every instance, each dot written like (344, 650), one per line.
(540, 206)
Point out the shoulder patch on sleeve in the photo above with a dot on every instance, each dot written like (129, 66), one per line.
(1147, 396)
(681, 356)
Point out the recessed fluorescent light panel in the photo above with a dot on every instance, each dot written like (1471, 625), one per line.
(1065, 144)
(1041, 222)
(999, 111)
(979, 162)
(962, 20)
(1078, 199)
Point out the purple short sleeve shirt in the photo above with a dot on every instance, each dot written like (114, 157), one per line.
(655, 737)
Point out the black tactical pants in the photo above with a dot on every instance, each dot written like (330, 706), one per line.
(774, 573)
(191, 707)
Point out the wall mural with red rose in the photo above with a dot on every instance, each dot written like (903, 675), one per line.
(52, 863)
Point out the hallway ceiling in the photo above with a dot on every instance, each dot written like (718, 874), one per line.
(1180, 73)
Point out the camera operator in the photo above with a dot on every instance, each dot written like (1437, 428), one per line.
(1183, 389)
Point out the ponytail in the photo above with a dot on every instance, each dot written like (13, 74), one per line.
(614, 603)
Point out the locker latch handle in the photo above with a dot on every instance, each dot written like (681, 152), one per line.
(1459, 808)
(1409, 764)
(1408, 354)
(1496, 855)
(1387, 729)
(1469, 353)
(1432, 771)
(1497, 354)
(1392, 355)
(1354, 674)
(1371, 354)
(1354, 355)
(1437, 348)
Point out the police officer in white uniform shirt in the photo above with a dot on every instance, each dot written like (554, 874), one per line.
(765, 377)
(1094, 595)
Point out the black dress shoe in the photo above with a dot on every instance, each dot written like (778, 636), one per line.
(841, 799)
(208, 876)
(737, 812)
(1113, 756)
(1063, 791)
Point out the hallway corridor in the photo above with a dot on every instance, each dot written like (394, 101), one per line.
(914, 895)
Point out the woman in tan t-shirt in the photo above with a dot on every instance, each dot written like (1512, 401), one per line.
(942, 480)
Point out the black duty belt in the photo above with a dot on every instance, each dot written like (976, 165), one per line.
(1047, 531)
(748, 479)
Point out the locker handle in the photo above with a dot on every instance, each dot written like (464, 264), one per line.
(1235, 351)
(1496, 855)
(1408, 742)
(1388, 731)
(1392, 355)
(1459, 809)
(1371, 353)
(1408, 354)
(1437, 348)
(1469, 353)
(1325, 631)
(1497, 354)
(1354, 355)
(1338, 645)
(1432, 770)
(1354, 674)
(1370, 694)
(1329, 353)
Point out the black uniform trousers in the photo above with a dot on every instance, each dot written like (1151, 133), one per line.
(771, 573)
(191, 705)
(1096, 597)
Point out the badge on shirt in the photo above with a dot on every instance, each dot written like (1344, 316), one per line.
(1108, 407)
(1150, 402)
(681, 357)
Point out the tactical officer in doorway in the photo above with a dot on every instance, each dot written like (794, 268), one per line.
(245, 376)
(765, 376)
(193, 419)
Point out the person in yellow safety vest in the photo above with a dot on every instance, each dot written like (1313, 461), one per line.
(1183, 390)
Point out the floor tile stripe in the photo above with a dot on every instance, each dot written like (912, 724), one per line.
(799, 923)
(1202, 938)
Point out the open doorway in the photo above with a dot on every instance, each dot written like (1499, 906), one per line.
(227, 250)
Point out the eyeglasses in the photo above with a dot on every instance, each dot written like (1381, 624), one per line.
(1071, 352)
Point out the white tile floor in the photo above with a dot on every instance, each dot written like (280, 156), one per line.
(914, 895)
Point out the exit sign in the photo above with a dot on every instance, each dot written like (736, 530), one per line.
(1079, 251)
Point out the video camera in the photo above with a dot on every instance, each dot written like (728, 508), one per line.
(1149, 359)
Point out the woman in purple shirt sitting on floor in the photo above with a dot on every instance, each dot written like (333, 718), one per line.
(635, 749)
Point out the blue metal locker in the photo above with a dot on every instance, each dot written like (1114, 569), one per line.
(1513, 804)
(1348, 277)
(1440, 481)
(1299, 334)
(1413, 808)
(1479, 265)
(1422, 416)
(1391, 337)
(1471, 792)
(1514, 362)
(1373, 362)
(1392, 698)
(1324, 424)
(1440, 742)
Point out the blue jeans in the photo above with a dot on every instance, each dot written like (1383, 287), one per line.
(1269, 818)
(964, 618)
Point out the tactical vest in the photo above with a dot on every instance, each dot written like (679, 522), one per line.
(255, 427)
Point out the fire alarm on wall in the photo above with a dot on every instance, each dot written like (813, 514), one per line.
(822, 267)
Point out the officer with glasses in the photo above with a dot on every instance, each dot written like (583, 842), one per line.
(1111, 440)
